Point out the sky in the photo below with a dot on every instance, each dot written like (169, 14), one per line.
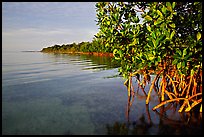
(35, 25)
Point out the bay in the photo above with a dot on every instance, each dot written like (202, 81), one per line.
(58, 94)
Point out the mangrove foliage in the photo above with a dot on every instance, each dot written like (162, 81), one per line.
(86, 47)
(159, 40)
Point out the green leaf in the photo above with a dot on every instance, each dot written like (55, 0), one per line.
(179, 65)
(159, 12)
(174, 13)
(120, 53)
(172, 25)
(172, 34)
(136, 19)
(187, 57)
(192, 72)
(116, 16)
(159, 59)
(128, 68)
(148, 18)
(184, 52)
(151, 58)
(157, 41)
(179, 52)
(158, 22)
(168, 4)
(150, 43)
(164, 9)
(133, 59)
(181, 17)
(198, 36)
(154, 53)
(173, 4)
(183, 64)
(117, 58)
(154, 42)
(162, 37)
(107, 44)
(153, 35)
(149, 28)
(115, 51)
(175, 61)
(111, 30)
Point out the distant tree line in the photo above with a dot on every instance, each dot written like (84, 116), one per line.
(94, 46)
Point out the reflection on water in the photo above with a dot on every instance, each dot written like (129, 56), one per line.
(51, 94)
(189, 124)
(88, 61)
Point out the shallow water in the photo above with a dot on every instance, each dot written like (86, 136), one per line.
(71, 94)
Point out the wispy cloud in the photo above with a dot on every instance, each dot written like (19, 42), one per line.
(36, 39)
(48, 14)
(33, 25)
(33, 31)
(29, 32)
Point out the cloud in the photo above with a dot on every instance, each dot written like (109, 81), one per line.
(32, 32)
(36, 39)
(33, 25)
(29, 32)
(48, 14)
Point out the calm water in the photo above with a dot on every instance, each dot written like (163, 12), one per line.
(71, 94)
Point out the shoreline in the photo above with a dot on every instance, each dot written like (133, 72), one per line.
(84, 53)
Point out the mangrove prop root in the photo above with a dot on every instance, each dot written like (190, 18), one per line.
(150, 90)
(167, 101)
(186, 91)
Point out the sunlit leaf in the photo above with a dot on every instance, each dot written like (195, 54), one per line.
(154, 53)
(154, 42)
(184, 52)
(174, 61)
(159, 12)
(149, 28)
(179, 65)
(172, 34)
(198, 36)
(174, 13)
(164, 9)
(151, 58)
(148, 18)
(158, 22)
(173, 4)
(192, 72)
(159, 59)
(172, 25)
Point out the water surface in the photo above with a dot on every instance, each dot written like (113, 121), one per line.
(76, 94)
